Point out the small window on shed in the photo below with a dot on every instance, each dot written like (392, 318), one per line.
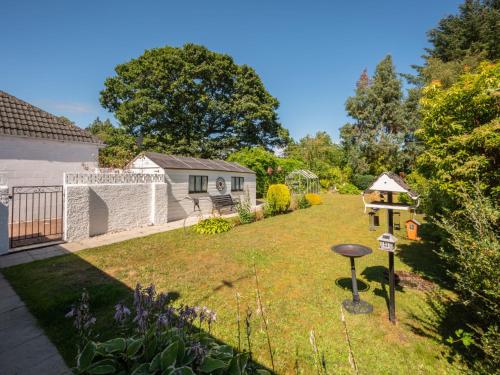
(237, 183)
(412, 227)
(198, 184)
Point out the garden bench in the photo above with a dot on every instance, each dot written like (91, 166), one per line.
(221, 201)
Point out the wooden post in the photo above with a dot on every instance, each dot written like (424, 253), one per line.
(392, 284)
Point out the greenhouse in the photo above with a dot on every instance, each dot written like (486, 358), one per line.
(302, 181)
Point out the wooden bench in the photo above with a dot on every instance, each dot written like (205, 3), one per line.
(221, 201)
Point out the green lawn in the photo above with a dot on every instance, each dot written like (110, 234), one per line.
(301, 285)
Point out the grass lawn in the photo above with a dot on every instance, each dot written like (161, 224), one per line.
(300, 280)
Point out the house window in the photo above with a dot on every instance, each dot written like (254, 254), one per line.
(412, 227)
(237, 183)
(198, 184)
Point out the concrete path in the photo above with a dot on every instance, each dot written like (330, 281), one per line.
(24, 348)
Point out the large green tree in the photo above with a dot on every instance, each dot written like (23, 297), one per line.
(194, 102)
(459, 176)
(120, 147)
(460, 130)
(475, 30)
(375, 140)
(460, 42)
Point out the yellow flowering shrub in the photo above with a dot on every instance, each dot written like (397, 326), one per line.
(313, 199)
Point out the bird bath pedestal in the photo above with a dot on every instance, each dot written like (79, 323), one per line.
(352, 251)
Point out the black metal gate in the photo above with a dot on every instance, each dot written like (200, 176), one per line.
(36, 215)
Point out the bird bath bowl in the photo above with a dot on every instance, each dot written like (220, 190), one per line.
(353, 251)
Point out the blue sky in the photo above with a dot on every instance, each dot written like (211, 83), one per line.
(57, 54)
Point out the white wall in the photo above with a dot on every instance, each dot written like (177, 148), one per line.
(4, 218)
(178, 189)
(142, 164)
(97, 209)
(31, 162)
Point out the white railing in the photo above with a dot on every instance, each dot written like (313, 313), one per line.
(111, 178)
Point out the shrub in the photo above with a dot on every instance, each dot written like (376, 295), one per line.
(473, 260)
(363, 181)
(245, 213)
(278, 199)
(213, 225)
(302, 202)
(313, 199)
(347, 188)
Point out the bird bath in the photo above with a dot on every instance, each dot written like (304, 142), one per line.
(353, 251)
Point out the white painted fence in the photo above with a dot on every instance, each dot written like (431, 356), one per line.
(111, 178)
(100, 203)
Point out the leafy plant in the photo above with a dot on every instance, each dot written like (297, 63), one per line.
(363, 181)
(162, 339)
(213, 225)
(347, 188)
(278, 199)
(302, 202)
(313, 199)
(473, 262)
(245, 213)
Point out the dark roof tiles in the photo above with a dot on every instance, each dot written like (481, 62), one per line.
(184, 162)
(18, 118)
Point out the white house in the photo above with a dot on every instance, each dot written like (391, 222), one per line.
(37, 148)
(189, 178)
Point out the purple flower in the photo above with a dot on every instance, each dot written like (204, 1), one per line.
(122, 312)
(89, 323)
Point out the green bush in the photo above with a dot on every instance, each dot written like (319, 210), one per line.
(302, 202)
(245, 213)
(278, 199)
(473, 262)
(363, 181)
(213, 225)
(347, 188)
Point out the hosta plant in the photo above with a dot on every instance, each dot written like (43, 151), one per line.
(213, 225)
(161, 339)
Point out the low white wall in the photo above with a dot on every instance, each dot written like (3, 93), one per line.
(97, 209)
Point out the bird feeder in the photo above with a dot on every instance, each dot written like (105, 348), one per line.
(387, 242)
(373, 219)
(397, 220)
(387, 185)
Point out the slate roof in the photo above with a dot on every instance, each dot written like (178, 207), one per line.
(21, 119)
(182, 162)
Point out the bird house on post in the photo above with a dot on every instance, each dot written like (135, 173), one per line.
(387, 242)
(390, 185)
